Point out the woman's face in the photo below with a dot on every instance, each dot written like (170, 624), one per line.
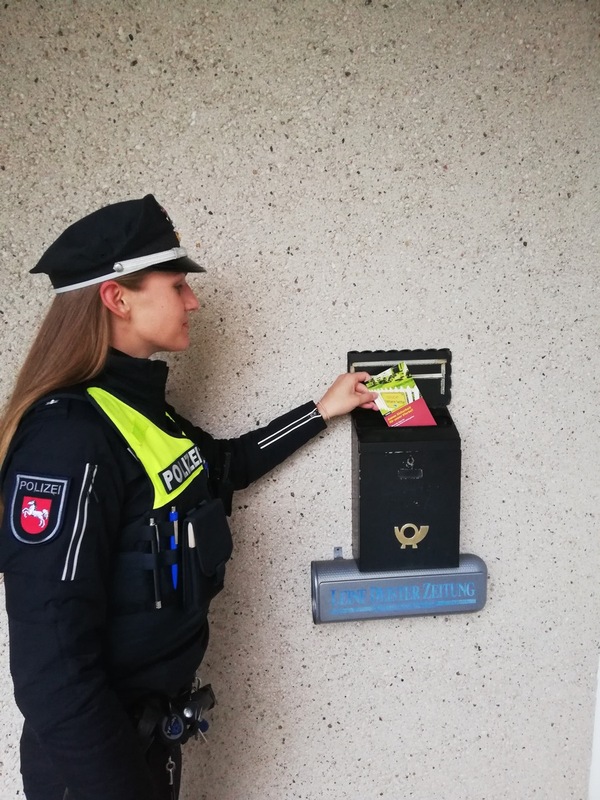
(159, 309)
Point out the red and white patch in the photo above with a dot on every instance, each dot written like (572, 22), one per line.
(35, 514)
(37, 507)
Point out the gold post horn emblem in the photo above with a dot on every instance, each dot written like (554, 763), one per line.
(412, 541)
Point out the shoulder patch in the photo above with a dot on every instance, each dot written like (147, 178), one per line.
(37, 507)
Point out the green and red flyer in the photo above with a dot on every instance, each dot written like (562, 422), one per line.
(398, 397)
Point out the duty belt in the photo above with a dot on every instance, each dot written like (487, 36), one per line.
(174, 721)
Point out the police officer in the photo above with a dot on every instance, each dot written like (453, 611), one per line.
(114, 533)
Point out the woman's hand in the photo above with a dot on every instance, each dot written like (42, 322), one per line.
(346, 393)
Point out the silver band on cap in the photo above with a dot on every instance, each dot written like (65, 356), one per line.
(135, 264)
(126, 267)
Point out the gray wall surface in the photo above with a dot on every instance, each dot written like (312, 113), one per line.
(354, 174)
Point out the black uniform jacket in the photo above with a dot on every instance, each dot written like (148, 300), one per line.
(58, 590)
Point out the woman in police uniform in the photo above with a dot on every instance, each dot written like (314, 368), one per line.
(114, 535)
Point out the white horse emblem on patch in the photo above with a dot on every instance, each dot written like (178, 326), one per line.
(31, 510)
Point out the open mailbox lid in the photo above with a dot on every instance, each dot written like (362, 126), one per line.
(431, 369)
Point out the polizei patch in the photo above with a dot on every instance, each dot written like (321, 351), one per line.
(180, 470)
(37, 507)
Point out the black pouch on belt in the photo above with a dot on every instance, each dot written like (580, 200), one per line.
(208, 537)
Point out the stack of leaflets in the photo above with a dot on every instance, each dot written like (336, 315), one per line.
(398, 397)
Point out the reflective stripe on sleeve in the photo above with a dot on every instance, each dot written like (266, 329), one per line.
(80, 523)
(287, 429)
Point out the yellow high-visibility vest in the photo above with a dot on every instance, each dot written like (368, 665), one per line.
(170, 461)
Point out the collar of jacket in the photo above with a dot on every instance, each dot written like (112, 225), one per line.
(140, 382)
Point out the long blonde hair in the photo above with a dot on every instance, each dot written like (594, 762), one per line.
(71, 346)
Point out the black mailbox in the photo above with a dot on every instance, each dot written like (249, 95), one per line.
(406, 480)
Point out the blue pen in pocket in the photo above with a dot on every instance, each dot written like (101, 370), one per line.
(174, 518)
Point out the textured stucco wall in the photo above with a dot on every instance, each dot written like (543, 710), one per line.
(354, 175)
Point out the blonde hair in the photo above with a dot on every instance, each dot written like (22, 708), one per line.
(71, 346)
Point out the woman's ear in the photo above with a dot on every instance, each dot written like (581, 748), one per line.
(114, 297)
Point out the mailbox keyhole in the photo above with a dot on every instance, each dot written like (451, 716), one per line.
(409, 472)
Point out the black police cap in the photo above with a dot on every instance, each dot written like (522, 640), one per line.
(112, 242)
